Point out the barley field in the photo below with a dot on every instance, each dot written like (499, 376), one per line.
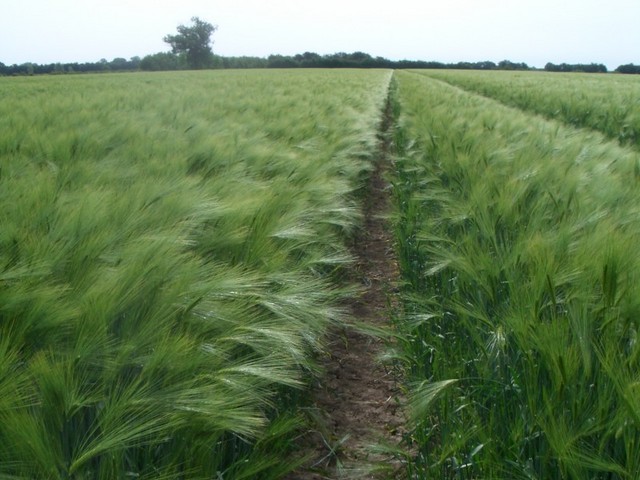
(606, 103)
(171, 253)
(517, 238)
(175, 246)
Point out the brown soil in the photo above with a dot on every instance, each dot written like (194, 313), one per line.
(357, 404)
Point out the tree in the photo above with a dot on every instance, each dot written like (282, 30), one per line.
(194, 42)
(509, 65)
(628, 68)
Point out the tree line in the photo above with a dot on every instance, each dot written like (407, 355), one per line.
(115, 65)
(577, 67)
(191, 49)
(173, 61)
(166, 61)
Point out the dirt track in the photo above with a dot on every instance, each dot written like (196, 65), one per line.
(359, 396)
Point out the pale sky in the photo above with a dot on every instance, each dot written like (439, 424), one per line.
(531, 31)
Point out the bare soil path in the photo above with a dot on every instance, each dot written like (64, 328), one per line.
(358, 398)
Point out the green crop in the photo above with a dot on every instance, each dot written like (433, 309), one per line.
(173, 250)
(517, 241)
(606, 103)
(170, 257)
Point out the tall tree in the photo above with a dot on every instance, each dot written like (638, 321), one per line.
(194, 41)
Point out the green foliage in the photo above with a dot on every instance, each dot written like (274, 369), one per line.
(163, 61)
(194, 41)
(169, 262)
(517, 241)
(579, 67)
(628, 68)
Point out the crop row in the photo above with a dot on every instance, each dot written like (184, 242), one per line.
(170, 258)
(607, 103)
(517, 240)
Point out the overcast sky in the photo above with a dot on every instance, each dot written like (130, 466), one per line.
(531, 31)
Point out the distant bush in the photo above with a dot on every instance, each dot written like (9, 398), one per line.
(116, 65)
(628, 68)
(576, 67)
(163, 61)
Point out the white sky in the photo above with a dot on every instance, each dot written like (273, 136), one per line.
(531, 31)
